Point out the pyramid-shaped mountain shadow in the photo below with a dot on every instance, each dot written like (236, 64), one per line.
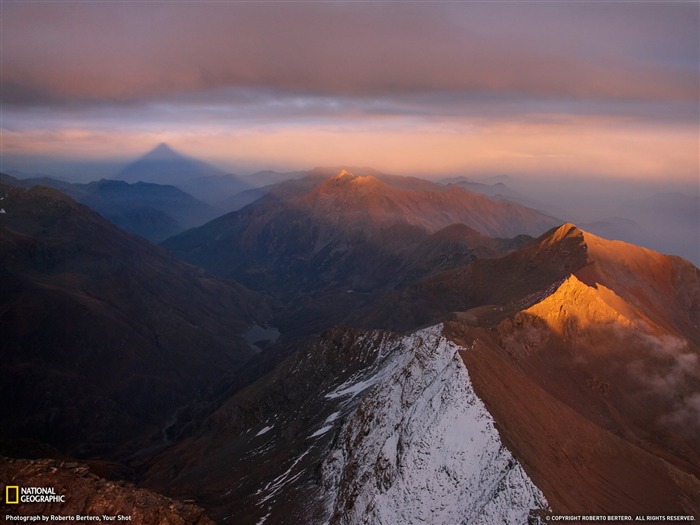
(164, 165)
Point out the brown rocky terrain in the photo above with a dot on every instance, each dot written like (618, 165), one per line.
(355, 200)
(87, 495)
(253, 440)
(594, 385)
(584, 351)
(582, 467)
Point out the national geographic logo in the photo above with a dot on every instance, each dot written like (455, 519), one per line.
(15, 494)
(12, 494)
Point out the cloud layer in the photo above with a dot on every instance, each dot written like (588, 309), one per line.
(55, 52)
(311, 68)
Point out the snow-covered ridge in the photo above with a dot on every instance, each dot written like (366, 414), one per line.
(421, 447)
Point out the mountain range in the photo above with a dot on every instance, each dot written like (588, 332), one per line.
(651, 217)
(437, 356)
(153, 211)
(585, 360)
(330, 244)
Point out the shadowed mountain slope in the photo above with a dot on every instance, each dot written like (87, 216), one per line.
(153, 211)
(104, 335)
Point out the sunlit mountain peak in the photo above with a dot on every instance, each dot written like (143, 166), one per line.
(343, 174)
(584, 305)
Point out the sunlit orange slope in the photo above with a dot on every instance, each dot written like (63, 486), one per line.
(595, 380)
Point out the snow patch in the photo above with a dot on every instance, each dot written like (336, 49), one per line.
(384, 364)
(264, 429)
(351, 389)
(327, 425)
(321, 431)
(264, 518)
(421, 447)
(276, 485)
(332, 417)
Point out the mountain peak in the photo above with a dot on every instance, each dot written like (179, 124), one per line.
(564, 237)
(598, 248)
(356, 180)
(566, 230)
(344, 174)
(586, 305)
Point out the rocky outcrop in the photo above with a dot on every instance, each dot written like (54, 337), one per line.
(422, 448)
(362, 427)
(90, 497)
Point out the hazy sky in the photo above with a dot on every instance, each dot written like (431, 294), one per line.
(548, 88)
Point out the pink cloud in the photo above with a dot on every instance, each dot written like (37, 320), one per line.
(117, 52)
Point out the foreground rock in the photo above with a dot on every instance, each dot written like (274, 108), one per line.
(90, 497)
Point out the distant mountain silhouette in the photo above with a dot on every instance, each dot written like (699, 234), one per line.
(216, 189)
(501, 191)
(242, 199)
(662, 221)
(163, 165)
(671, 220)
(153, 211)
(268, 177)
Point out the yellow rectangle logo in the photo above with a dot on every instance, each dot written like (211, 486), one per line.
(9, 491)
